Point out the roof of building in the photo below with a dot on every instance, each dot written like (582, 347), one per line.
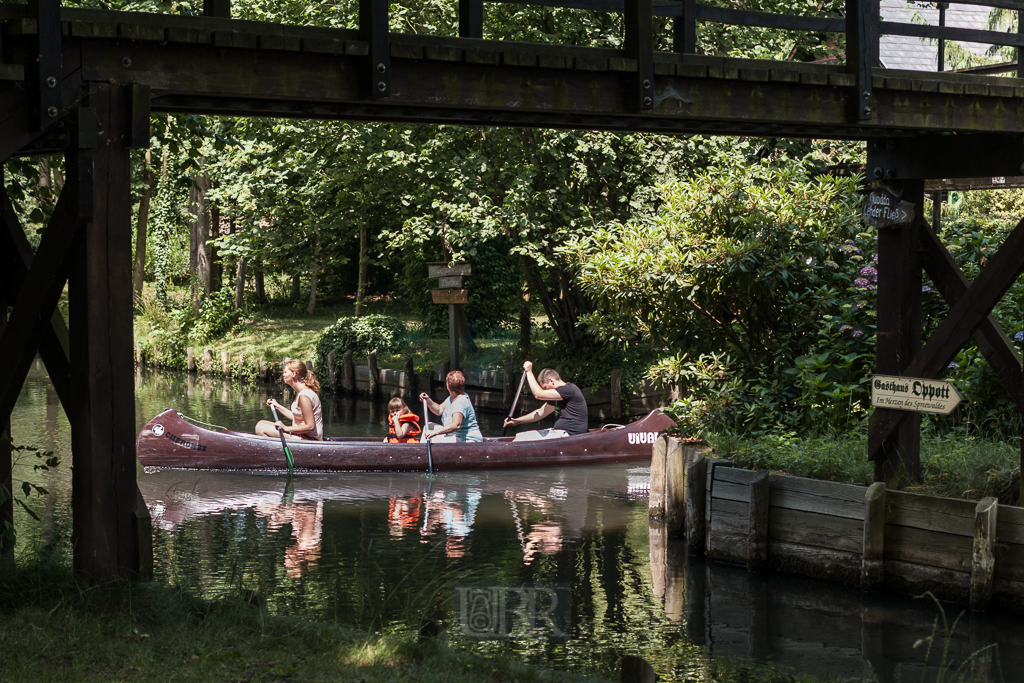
(921, 54)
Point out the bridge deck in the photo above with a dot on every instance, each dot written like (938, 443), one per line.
(234, 67)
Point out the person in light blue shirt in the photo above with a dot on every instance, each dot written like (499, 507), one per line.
(457, 414)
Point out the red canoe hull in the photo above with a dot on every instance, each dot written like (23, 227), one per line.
(169, 441)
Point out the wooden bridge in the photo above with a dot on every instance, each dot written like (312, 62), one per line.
(83, 83)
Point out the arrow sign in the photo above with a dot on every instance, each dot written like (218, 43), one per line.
(882, 209)
(914, 393)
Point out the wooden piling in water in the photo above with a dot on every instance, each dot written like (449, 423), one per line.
(656, 495)
(409, 382)
(872, 565)
(675, 485)
(696, 481)
(191, 360)
(207, 361)
(616, 394)
(225, 365)
(983, 559)
(757, 530)
(636, 670)
(262, 369)
(371, 361)
(348, 373)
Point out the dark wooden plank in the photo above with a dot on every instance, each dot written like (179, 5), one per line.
(47, 70)
(725, 15)
(983, 557)
(696, 501)
(1010, 527)
(684, 29)
(726, 490)
(872, 570)
(930, 513)
(974, 305)
(217, 8)
(969, 35)
(803, 560)
(1009, 557)
(914, 579)
(861, 55)
(989, 336)
(734, 475)
(471, 18)
(757, 529)
(374, 30)
(8, 261)
(638, 44)
(815, 530)
(930, 548)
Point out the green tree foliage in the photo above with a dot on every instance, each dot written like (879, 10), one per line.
(361, 335)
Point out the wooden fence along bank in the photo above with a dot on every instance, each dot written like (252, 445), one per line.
(970, 552)
(490, 390)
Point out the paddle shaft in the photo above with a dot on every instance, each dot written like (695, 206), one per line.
(280, 432)
(515, 401)
(426, 421)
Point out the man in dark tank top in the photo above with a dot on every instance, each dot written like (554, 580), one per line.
(552, 389)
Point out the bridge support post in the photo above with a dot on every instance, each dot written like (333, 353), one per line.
(7, 505)
(899, 333)
(100, 310)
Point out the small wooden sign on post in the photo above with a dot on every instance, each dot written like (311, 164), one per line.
(883, 209)
(914, 393)
(449, 278)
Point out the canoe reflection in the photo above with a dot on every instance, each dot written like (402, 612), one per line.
(548, 508)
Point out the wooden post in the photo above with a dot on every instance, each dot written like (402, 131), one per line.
(332, 372)
(675, 486)
(103, 484)
(225, 366)
(453, 339)
(348, 373)
(374, 376)
(696, 482)
(696, 600)
(983, 562)
(208, 361)
(656, 548)
(861, 53)
(262, 369)
(409, 386)
(899, 335)
(508, 389)
(656, 498)
(471, 19)
(684, 29)
(872, 565)
(6, 463)
(636, 670)
(241, 362)
(191, 360)
(616, 394)
(757, 531)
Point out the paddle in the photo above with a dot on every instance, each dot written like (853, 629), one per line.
(426, 421)
(287, 451)
(515, 401)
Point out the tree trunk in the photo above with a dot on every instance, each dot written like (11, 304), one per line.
(216, 265)
(140, 230)
(525, 323)
(261, 285)
(312, 294)
(240, 283)
(361, 287)
(296, 288)
(199, 229)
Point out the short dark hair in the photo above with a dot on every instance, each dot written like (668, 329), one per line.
(546, 375)
(456, 381)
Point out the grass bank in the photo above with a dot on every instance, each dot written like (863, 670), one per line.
(953, 466)
(53, 628)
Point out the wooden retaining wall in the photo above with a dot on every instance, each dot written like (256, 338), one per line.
(971, 552)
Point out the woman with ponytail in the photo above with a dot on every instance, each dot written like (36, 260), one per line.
(305, 413)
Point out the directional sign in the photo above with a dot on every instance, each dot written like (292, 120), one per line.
(453, 282)
(882, 209)
(914, 393)
(445, 270)
(450, 296)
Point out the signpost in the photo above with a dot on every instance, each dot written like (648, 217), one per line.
(883, 209)
(451, 292)
(914, 393)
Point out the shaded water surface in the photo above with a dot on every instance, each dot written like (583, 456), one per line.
(384, 551)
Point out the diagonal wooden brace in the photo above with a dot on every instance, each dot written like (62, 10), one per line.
(54, 344)
(970, 310)
(42, 286)
(989, 336)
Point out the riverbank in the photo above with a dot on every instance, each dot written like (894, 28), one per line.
(53, 628)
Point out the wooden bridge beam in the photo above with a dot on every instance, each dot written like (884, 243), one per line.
(964, 317)
(100, 306)
(898, 455)
(7, 505)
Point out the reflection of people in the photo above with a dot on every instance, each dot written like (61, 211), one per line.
(550, 388)
(403, 424)
(306, 520)
(403, 513)
(305, 414)
(457, 414)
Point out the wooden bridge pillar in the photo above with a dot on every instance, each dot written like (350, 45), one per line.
(899, 333)
(7, 506)
(100, 309)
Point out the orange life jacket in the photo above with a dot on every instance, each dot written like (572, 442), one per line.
(414, 431)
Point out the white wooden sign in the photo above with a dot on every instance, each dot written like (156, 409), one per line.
(914, 393)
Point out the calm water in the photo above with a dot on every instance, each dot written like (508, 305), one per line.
(384, 551)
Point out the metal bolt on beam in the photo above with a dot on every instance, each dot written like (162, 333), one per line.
(51, 82)
(381, 69)
(867, 111)
(382, 86)
(648, 101)
(126, 62)
(877, 172)
(52, 112)
(647, 85)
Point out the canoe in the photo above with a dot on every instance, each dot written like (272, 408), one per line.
(170, 441)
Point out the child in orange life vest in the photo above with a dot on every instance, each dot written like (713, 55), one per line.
(403, 424)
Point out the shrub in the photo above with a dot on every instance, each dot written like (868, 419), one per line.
(217, 317)
(360, 336)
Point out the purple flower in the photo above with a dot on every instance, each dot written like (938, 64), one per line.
(1019, 336)
(861, 282)
(926, 288)
(858, 333)
(861, 304)
(954, 365)
(874, 259)
(844, 328)
(868, 271)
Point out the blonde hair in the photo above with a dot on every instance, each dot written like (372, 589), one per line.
(304, 374)
(396, 403)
